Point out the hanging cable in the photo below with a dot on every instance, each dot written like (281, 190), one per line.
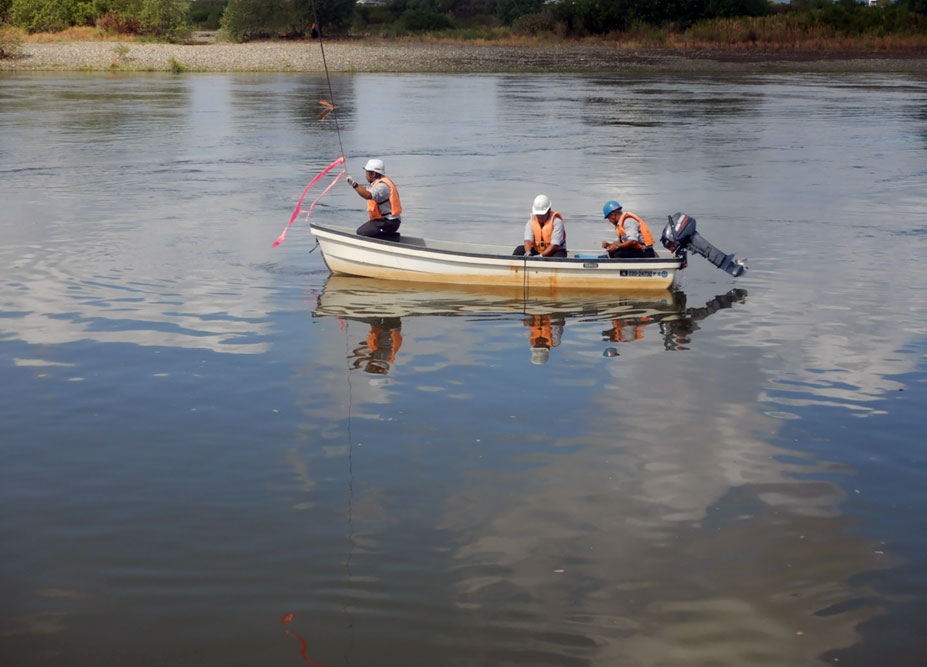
(351, 538)
(328, 80)
(524, 279)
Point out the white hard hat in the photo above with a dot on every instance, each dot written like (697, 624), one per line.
(540, 355)
(374, 165)
(541, 205)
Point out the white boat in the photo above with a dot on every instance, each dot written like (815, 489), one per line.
(415, 259)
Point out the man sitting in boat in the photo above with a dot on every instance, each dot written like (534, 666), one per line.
(383, 204)
(634, 238)
(545, 234)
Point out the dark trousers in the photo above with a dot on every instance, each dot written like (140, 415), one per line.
(632, 252)
(520, 251)
(381, 228)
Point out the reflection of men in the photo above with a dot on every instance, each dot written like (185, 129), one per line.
(627, 329)
(545, 332)
(380, 348)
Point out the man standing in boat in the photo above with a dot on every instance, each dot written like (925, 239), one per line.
(545, 234)
(383, 204)
(634, 237)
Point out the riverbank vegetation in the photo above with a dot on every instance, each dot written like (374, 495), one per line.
(820, 25)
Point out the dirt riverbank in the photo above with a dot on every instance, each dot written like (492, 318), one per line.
(357, 56)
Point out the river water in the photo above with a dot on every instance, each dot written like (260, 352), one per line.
(214, 453)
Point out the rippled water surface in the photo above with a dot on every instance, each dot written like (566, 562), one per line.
(215, 453)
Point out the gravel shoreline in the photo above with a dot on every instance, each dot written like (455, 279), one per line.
(358, 56)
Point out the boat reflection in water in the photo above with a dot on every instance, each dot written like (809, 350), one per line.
(382, 305)
(676, 331)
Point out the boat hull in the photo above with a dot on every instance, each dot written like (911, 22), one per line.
(417, 260)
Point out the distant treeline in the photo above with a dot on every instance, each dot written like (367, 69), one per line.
(243, 20)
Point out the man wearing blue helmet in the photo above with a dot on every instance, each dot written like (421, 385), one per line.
(634, 237)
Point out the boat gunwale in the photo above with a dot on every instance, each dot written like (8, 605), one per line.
(674, 262)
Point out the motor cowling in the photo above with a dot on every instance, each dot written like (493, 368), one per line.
(680, 235)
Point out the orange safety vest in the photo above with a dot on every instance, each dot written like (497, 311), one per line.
(541, 333)
(373, 342)
(645, 231)
(395, 207)
(542, 234)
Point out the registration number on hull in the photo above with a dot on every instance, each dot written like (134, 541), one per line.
(641, 273)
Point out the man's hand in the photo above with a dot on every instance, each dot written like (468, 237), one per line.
(350, 181)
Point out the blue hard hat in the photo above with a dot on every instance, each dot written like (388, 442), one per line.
(610, 208)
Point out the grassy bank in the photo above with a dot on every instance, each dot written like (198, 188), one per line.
(86, 50)
(777, 33)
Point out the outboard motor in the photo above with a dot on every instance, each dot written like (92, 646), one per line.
(680, 235)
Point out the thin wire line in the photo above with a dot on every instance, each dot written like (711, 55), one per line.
(331, 93)
(524, 282)
(349, 574)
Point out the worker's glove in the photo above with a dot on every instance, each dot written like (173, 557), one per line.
(350, 181)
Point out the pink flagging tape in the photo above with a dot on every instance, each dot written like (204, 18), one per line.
(303, 647)
(299, 204)
(324, 192)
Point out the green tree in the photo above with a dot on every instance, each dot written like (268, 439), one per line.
(298, 16)
(41, 15)
(509, 10)
(243, 20)
(335, 15)
(424, 20)
(205, 14)
(466, 9)
(593, 17)
(127, 8)
(810, 4)
(916, 6)
(165, 19)
(717, 9)
(681, 13)
(422, 15)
